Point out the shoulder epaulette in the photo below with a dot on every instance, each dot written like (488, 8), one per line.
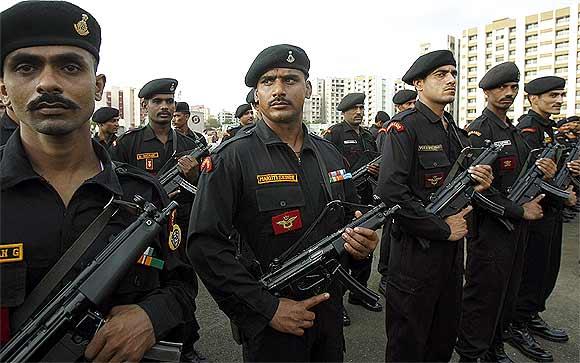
(318, 137)
(130, 131)
(401, 115)
(244, 132)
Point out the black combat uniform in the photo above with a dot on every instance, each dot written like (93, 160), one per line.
(7, 128)
(107, 144)
(197, 137)
(254, 184)
(141, 148)
(358, 148)
(35, 221)
(494, 254)
(544, 246)
(374, 129)
(423, 285)
(231, 132)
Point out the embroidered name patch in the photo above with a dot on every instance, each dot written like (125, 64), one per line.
(438, 147)
(146, 156)
(277, 178)
(503, 143)
(339, 175)
(11, 253)
(434, 180)
(350, 142)
(286, 222)
(147, 259)
(507, 163)
(529, 129)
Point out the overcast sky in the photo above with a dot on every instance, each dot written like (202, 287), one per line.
(208, 45)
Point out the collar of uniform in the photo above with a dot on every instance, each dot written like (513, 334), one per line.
(492, 116)
(544, 121)
(149, 134)
(427, 112)
(7, 122)
(269, 137)
(350, 128)
(16, 168)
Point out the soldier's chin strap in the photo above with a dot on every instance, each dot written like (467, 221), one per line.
(330, 206)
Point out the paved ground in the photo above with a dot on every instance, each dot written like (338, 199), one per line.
(365, 338)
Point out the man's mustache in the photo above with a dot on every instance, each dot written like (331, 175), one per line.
(51, 99)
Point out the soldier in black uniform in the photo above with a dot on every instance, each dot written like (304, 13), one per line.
(108, 120)
(403, 100)
(55, 181)
(245, 115)
(269, 183)
(8, 124)
(179, 122)
(424, 285)
(358, 147)
(380, 119)
(2, 108)
(544, 240)
(153, 148)
(494, 266)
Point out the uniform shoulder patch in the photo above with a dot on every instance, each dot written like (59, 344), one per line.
(128, 132)
(382, 130)
(529, 129)
(206, 164)
(397, 126)
(474, 133)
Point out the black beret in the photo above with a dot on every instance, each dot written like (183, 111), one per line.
(161, 86)
(39, 23)
(500, 74)
(242, 109)
(426, 63)
(105, 114)
(382, 116)
(182, 107)
(277, 56)
(250, 96)
(404, 96)
(544, 84)
(564, 121)
(350, 100)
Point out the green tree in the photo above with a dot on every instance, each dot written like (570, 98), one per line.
(212, 122)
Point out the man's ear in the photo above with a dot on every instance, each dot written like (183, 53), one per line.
(100, 82)
(418, 84)
(308, 89)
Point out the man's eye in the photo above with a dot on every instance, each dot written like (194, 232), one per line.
(71, 68)
(24, 68)
(267, 81)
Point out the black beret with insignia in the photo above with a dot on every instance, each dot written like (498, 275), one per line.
(500, 74)
(242, 109)
(426, 63)
(404, 96)
(250, 96)
(382, 116)
(544, 84)
(350, 100)
(182, 107)
(40, 23)
(277, 56)
(564, 121)
(105, 114)
(161, 86)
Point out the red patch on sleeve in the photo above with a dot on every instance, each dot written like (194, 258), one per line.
(399, 127)
(434, 180)
(507, 163)
(206, 164)
(382, 129)
(4, 326)
(286, 222)
(530, 129)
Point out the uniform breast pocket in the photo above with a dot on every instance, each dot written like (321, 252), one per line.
(434, 167)
(282, 205)
(13, 283)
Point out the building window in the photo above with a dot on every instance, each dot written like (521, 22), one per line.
(472, 37)
(512, 53)
(562, 33)
(473, 48)
(471, 90)
(471, 101)
(531, 73)
(488, 34)
(531, 50)
(563, 20)
(471, 79)
(473, 58)
(499, 59)
(498, 37)
(512, 30)
(561, 45)
(531, 26)
(531, 38)
(499, 48)
(471, 69)
(561, 70)
(531, 61)
(562, 58)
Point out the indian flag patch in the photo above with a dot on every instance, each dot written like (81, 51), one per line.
(339, 175)
(148, 260)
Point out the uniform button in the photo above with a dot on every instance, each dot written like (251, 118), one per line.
(283, 203)
(435, 164)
